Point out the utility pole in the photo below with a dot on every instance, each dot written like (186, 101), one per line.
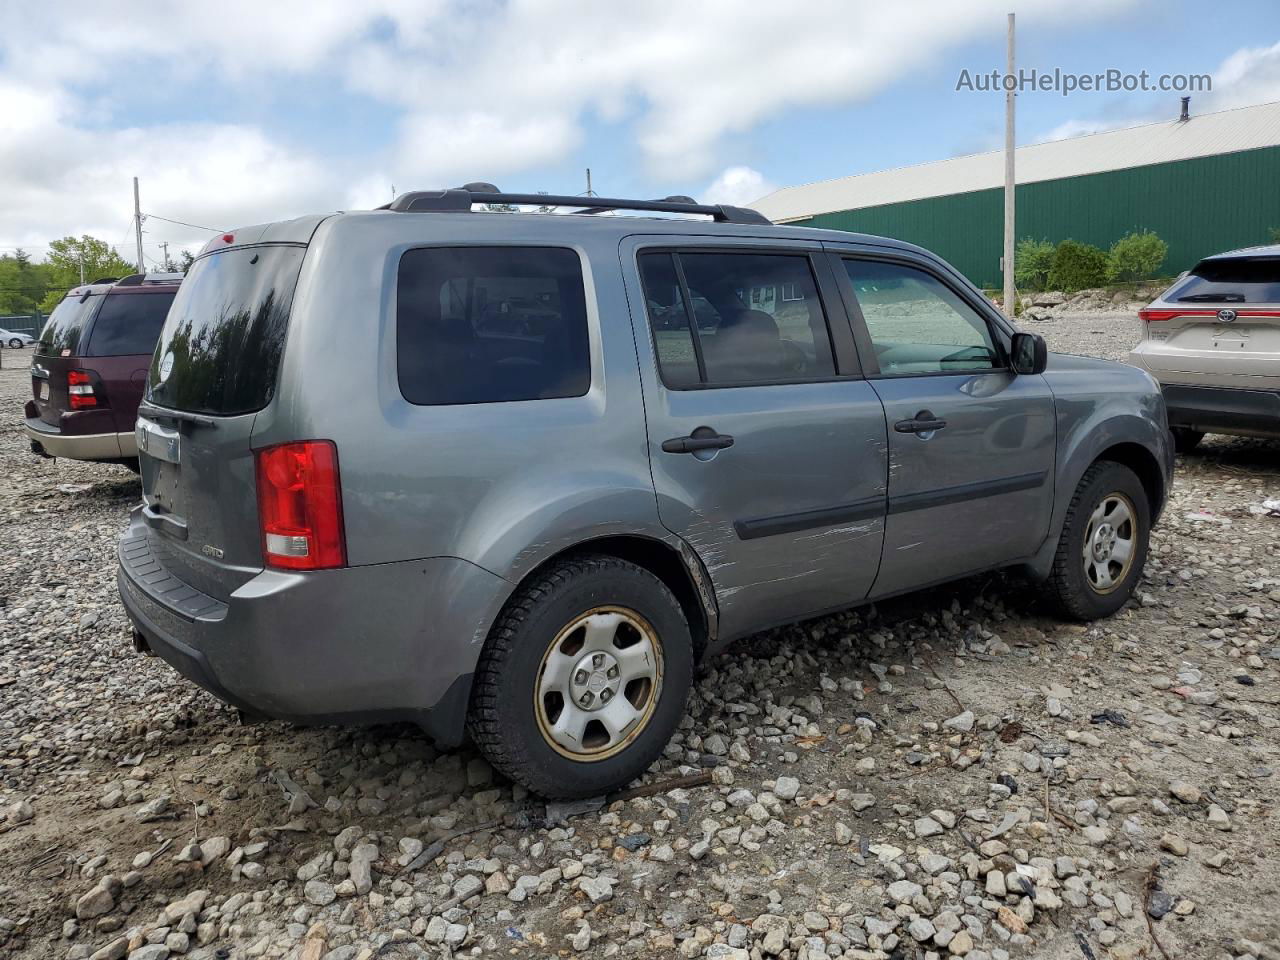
(164, 245)
(82, 264)
(137, 223)
(1010, 292)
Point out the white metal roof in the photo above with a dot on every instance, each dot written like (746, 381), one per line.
(1228, 131)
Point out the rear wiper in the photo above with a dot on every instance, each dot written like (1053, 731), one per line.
(1213, 298)
(147, 410)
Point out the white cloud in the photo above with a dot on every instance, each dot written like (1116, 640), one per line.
(738, 187)
(1250, 75)
(477, 90)
(59, 178)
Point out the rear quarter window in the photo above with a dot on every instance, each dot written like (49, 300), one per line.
(128, 324)
(491, 325)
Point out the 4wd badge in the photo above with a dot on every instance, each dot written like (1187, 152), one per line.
(166, 366)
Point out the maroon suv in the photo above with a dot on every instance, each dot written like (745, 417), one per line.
(90, 367)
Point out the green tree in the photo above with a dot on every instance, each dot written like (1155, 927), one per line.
(1275, 234)
(185, 259)
(1032, 263)
(66, 257)
(23, 284)
(1077, 266)
(1136, 256)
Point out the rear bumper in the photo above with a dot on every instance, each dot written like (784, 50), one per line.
(81, 446)
(1223, 409)
(381, 643)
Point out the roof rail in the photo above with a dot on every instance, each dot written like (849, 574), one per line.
(138, 279)
(460, 199)
(102, 280)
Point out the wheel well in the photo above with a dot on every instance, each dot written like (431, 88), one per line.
(1142, 462)
(665, 563)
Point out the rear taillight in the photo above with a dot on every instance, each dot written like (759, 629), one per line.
(80, 390)
(300, 506)
(1148, 315)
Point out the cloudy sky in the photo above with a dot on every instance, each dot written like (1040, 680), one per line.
(242, 111)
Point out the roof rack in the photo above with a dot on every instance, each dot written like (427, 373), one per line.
(460, 199)
(138, 279)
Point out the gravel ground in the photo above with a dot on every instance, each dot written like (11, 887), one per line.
(954, 773)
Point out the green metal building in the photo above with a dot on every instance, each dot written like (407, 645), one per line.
(1204, 183)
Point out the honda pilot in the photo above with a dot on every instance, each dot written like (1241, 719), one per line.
(515, 475)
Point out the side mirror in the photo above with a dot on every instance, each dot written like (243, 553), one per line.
(1029, 353)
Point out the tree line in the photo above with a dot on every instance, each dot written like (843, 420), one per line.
(28, 286)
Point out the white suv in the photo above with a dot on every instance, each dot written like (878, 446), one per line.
(1213, 342)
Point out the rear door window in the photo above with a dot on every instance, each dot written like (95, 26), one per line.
(128, 324)
(62, 331)
(220, 349)
(1243, 280)
(491, 325)
(757, 318)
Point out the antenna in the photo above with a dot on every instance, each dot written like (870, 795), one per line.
(590, 192)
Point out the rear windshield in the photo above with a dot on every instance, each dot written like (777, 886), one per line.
(1254, 280)
(61, 334)
(220, 348)
(128, 324)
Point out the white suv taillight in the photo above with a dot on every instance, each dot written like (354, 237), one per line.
(300, 506)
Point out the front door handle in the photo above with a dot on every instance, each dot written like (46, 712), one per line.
(922, 422)
(699, 440)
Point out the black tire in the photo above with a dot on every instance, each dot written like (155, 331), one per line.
(15, 343)
(1184, 439)
(1076, 595)
(503, 718)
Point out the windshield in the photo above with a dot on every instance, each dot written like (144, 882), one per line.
(220, 347)
(128, 324)
(61, 334)
(1251, 280)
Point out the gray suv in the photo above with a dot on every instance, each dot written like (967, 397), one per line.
(516, 475)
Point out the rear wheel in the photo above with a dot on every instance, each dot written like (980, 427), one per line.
(1185, 440)
(1103, 546)
(583, 679)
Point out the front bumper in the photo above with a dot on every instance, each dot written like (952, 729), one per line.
(379, 643)
(1223, 409)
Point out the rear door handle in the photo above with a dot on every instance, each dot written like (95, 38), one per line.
(696, 442)
(922, 422)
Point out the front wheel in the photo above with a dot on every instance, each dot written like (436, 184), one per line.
(1103, 546)
(584, 678)
(15, 343)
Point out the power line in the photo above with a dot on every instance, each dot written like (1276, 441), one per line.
(182, 223)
